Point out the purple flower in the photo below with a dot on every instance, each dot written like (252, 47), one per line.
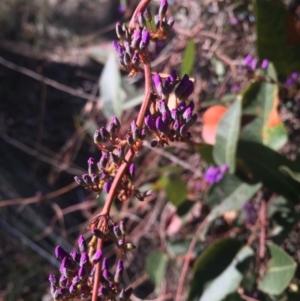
(131, 170)
(264, 64)
(82, 244)
(185, 88)
(136, 39)
(248, 60)
(161, 126)
(145, 39)
(157, 83)
(250, 213)
(215, 174)
(107, 186)
(60, 253)
(97, 257)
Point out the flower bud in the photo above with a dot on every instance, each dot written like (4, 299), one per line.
(141, 20)
(122, 227)
(73, 289)
(60, 253)
(135, 61)
(84, 259)
(181, 107)
(129, 140)
(114, 158)
(147, 15)
(131, 170)
(104, 265)
(53, 279)
(192, 121)
(157, 20)
(183, 130)
(119, 31)
(143, 134)
(171, 22)
(75, 280)
(128, 49)
(187, 115)
(119, 271)
(115, 123)
(104, 133)
(80, 181)
(166, 118)
(150, 123)
(154, 143)
(97, 138)
(117, 231)
(161, 126)
(82, 273)
(87, 179)
(107, 186)
(103, 161)
(134, 130)
(82, 244)
(120, 152)
(95, 179)
(264, 64)
(92, 167)
(176, 126)
(107, 275)
(163, 8)
(68, 263)
(126, 59)
(136, 39)
(157, 83)
(145, 39)
(97, 257)
(103, 292)
(63, 281)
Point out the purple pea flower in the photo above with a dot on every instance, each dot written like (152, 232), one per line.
(264, 64)
(215, 174)
(157, 83)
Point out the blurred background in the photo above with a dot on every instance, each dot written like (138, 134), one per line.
(55, 90)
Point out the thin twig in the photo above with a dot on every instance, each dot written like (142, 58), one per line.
(40, 198)
(45, 80)
(188, 258)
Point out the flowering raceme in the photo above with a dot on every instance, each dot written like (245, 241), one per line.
(86, 273)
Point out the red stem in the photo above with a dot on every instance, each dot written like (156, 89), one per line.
(140, 120)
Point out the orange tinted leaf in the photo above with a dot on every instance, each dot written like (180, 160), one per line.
(211, 119)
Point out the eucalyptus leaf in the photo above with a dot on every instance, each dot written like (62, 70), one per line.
(263, 164)
(276, 36)
(280, 272)
(188, 58)
(230, 279)
(111, 91)
(227, 136)
(211, 263)
(261, 100)
(156, 264)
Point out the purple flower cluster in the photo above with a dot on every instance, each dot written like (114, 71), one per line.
(77, 270)
(215, 174)
(101, 174)
(250, 213)
(173, 124)
(292, 79)
(252, 63)
(132, 49)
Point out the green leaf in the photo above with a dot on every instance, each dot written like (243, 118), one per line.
(285, 170)
(281, 270)
(176, 248)
(206, 153)
(156, 265)
(135, 101)
(227, 136)
(272, 36)
(175, 188)
(188, 59)
(229, 281)
(234, 198)
(211, 263)
(99, 53)
(261, 100)
(223, 189)
(263, 164)
(111, 92)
